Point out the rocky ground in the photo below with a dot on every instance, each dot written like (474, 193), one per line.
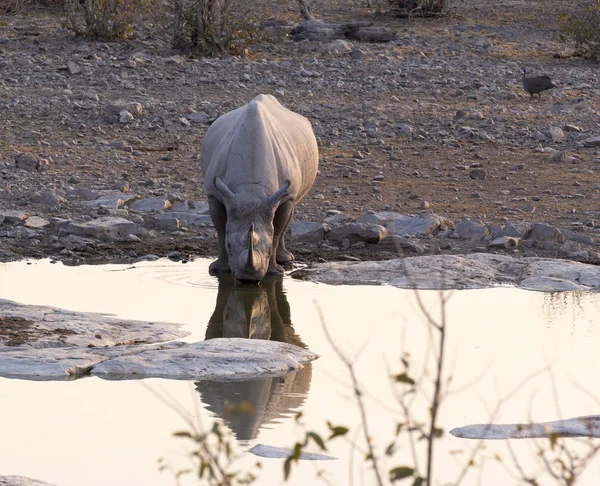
(432, 130)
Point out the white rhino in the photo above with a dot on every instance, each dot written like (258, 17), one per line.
(259, 161)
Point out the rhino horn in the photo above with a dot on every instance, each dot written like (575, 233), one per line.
(228, 196)
(276, 197)
(250, 262)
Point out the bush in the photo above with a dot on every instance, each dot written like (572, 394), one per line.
(582, 26)
(210, 28)
(103, 19)
(419, 7)
(19, 6)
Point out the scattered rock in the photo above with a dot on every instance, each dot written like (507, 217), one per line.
(478, 173)
(29, 162)
(338, 47)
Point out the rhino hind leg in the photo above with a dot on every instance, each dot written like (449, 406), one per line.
(218, 214)
(282, 219)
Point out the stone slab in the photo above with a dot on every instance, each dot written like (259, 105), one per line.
(474, 271)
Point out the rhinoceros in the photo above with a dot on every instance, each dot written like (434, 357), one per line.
(259, 161)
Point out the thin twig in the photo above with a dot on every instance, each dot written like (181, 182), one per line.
(357, 394)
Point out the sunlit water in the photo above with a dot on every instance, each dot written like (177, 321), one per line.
(513, 356)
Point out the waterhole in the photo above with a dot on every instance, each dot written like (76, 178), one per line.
(509, 356)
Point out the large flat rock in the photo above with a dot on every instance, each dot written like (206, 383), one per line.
(475, 271)
(44, 326)
(220, 359)
(45, 343)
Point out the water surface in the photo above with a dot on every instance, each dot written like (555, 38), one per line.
(513, 355)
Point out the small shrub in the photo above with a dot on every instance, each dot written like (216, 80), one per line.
(582, 27)
(210, 28)
(103, 19)
(419, 7)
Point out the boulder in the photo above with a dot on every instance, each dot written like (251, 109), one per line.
(307, 232)
(400, 244)
(542, 232)
(10, 216)
(355, 232)
(151, 204)
(107, 228)
(471, 229)
(421, 225)
(114, 200)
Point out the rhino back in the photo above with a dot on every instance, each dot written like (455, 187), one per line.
(260, 143)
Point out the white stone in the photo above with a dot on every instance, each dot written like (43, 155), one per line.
(232, 359)
(588, 426)
(274, 452)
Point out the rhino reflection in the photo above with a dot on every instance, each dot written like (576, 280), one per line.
(255, 312)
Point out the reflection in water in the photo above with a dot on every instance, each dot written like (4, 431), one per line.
(557, 306)
(255, 312)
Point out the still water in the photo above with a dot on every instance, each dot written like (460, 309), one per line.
(510, 356)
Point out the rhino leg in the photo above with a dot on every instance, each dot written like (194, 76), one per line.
(218, 214)
(282, 219)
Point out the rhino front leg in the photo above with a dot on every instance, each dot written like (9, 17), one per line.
(282, 219)
(218, 214)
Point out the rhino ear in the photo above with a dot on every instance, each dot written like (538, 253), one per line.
(228, 196)
(275, 198)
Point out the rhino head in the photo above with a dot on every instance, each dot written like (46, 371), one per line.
(249, 230)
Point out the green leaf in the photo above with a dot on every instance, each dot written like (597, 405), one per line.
(419, 481)
(286, 468)
(317, 438)
(553, 440)
(399, 428)
(182, 433)
(401, 472)
(297, 451)
(404, 378)
(390, 449)
(337, 431)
